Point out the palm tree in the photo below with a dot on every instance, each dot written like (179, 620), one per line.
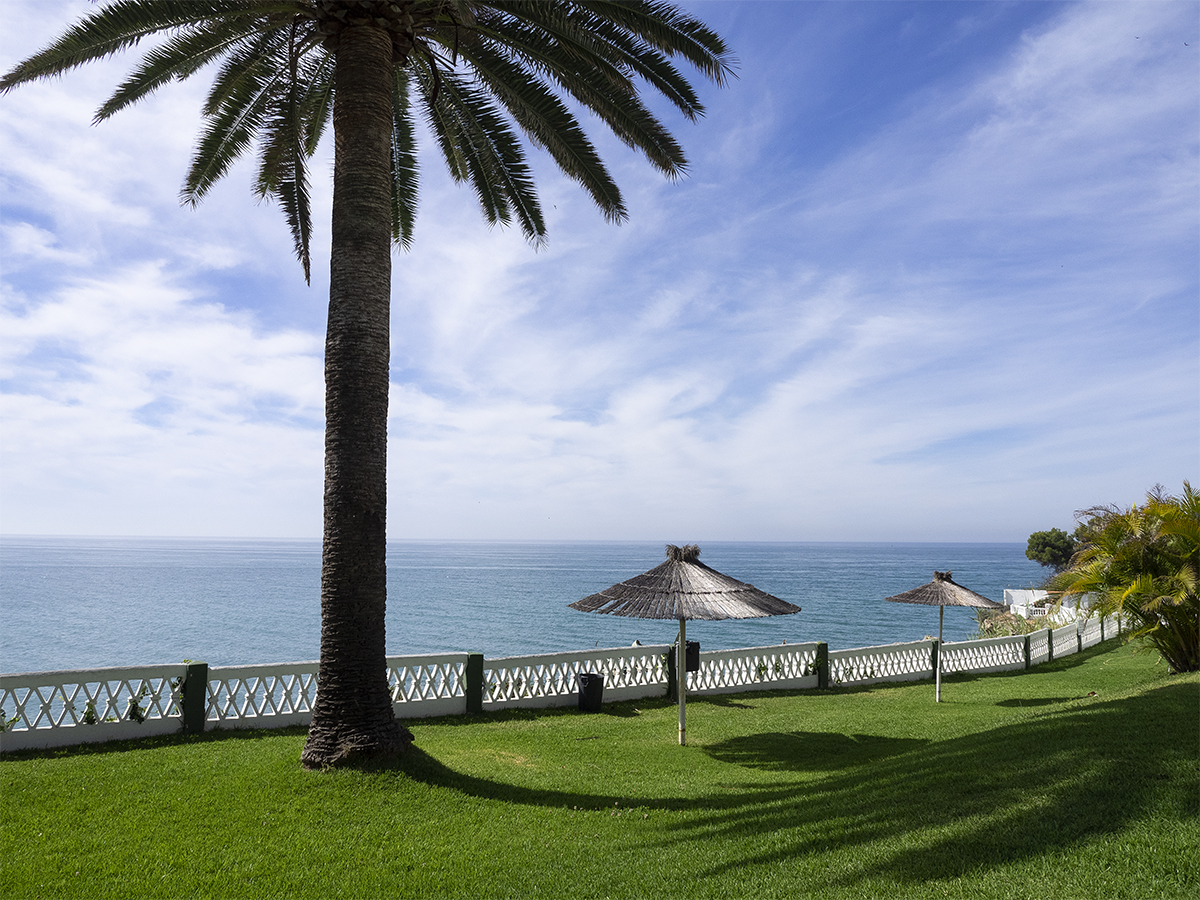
(1143, 563)
(478, 72)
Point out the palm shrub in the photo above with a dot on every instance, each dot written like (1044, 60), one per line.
(1003, 623)
(479, 74)
(1142, 563)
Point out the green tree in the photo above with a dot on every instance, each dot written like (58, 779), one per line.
(1143, 563)
(1053, 548)
(478, 73)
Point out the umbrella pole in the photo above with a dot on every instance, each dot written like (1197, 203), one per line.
(938, 674)
(681, 680)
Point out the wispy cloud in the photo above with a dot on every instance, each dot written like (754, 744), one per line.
(963, 311)
(126, 400)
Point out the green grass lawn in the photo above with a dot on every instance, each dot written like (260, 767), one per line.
(1080, 778)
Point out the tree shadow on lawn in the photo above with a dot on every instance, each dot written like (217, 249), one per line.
(983, 800)
(158, 741)
(418, 765)
(810, 751)
(923, 810)
(727, 702)
(1020, 703)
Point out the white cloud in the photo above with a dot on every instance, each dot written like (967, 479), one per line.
(125, 388)
(23, 243)
(979, 315)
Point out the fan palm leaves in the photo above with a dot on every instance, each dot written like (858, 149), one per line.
(479, 75)
(1144, 564)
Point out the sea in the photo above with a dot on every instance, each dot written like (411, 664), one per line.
(91, 602)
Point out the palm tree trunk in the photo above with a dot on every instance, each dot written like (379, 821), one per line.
(353, 716)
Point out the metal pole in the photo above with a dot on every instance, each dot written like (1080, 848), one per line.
(938, 673)
(681, 674)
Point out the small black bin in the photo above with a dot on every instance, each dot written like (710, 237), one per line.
(692, 657)
(591, 691)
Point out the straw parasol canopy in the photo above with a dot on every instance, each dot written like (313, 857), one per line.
(684, 588)
(943, 592)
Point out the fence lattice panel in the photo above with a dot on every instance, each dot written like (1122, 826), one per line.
(894, 662)
(89, 697)
(990, 655)
(415, 679)
(757, 667)
(554, 676)
(1039, 647)
(1066, 640)
(244, 695)
(43, 709)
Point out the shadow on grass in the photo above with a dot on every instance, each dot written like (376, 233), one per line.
(419, 766)
(157, 741)
(910, 810)
(803, 751)
(922, 809)
(987, 799)
(620, 711)
(1035, 701)
(726, 701)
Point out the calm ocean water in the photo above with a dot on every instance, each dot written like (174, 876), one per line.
(69, 603)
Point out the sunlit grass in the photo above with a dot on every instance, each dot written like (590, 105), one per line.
(1077, 779)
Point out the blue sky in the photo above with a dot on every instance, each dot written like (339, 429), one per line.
(933, 276)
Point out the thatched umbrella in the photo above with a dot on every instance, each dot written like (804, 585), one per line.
(684, 588)
(943, 592)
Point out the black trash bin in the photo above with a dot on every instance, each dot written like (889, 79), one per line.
(692, 657)
(591, 691)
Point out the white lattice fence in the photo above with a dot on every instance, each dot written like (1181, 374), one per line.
(1066, 640)
(782, 667)
(57, 709)
(53, 709)
(999, 654)
(432, 685)
(275, 695)
(893, 662)
(263, 696)
(1039, 647)
(551, 679)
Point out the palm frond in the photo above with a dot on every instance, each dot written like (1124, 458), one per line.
(404, 163)
(520, 53)
(550, 125)
(263, 48)
(318, 103)
(672, 31)
(231, 129)
(595, 44)
(480, 145)
(283, 169)
(607, 27)
(123, 24)
(182, 56)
